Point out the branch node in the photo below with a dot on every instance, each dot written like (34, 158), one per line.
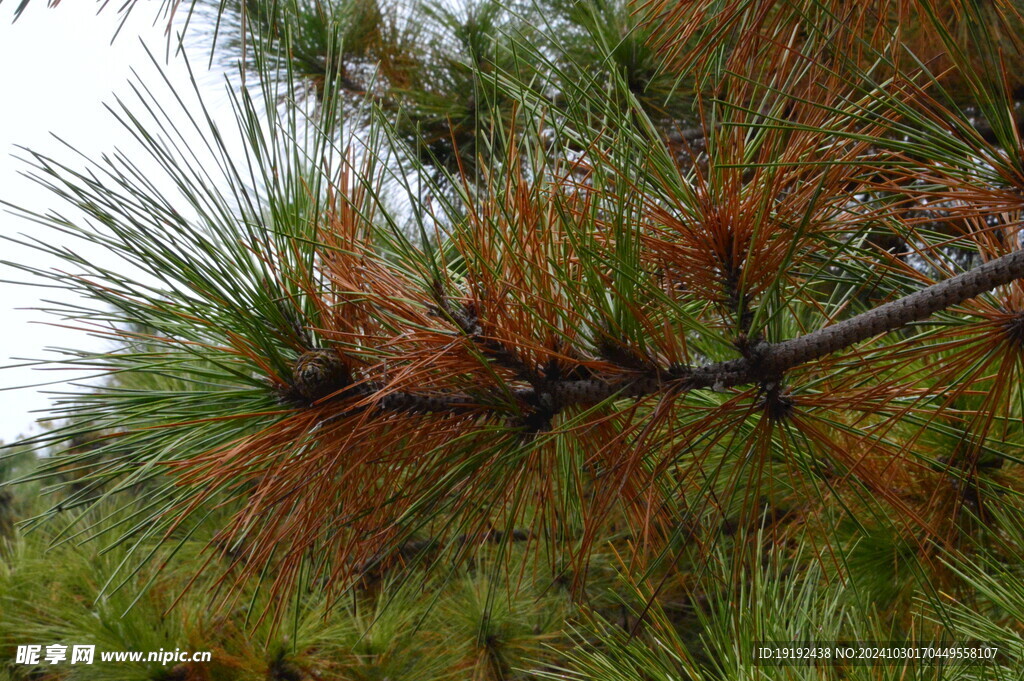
(776, 401)
(543, 408)
(1014, 329)
(319, 373)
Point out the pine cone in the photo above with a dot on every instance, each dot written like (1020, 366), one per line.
(318, 373)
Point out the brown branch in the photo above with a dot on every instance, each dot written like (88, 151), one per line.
(765, 363)
(911, 308)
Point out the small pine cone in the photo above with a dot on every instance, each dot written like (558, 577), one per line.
(318, 373)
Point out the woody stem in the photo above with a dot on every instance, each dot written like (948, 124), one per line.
(766, 362)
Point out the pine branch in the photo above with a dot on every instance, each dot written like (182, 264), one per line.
(765, 363)
(899, 313)
(768, 361)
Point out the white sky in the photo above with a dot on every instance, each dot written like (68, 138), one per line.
(57, 68)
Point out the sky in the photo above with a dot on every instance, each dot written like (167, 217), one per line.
(57, 70)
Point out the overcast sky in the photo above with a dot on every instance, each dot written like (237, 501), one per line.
(57, 68)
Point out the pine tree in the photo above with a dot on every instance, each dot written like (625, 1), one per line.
(675, 279)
